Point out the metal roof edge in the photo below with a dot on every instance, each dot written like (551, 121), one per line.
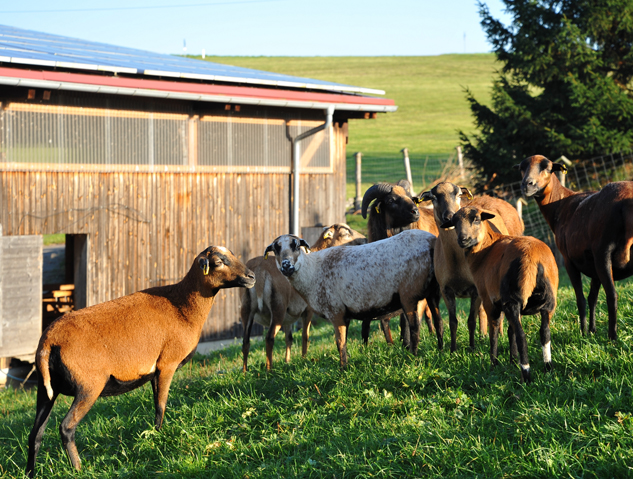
(58, 85)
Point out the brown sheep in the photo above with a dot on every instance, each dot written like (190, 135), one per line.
(516, 275)
(117, 346)
(451, 270)
(594, 233)
(275, 304)
(394, 209)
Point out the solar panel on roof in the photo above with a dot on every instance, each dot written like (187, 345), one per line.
(36, 48)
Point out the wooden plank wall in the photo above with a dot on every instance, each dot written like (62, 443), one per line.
(21, 320)
(144, 229)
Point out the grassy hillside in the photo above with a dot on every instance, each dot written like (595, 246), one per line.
(428, 91)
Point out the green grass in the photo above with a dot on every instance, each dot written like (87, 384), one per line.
(58, 238)
(388, 415)
(429, 93)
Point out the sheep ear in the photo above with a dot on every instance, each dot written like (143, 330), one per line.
(559, 167)
(269, 248)
(466, 191)
(427, 196)
(204, 265)
(517, 166)
(303, 243)
(328, 234)
(486, 216)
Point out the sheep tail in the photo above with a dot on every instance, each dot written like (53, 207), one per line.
(42, 366)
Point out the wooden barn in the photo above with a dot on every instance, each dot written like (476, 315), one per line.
(143, 160)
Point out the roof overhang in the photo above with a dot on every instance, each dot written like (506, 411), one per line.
(245, 95)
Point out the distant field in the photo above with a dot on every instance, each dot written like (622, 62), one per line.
(429, 92)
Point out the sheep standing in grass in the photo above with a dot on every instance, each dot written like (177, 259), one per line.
(117, 346)
(594, 233)
(365, 281)
(516, 275)
(451, 270)
(275, 304)
(391, 209)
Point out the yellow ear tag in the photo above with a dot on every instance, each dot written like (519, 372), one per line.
(377, 209)
(564, 169)
(266, 255)
(469, 195)
(206, 269)
(328, 234)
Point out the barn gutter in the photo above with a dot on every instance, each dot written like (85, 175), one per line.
(296, 160)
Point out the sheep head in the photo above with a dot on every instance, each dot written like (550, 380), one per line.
(287, 249)
(394, 202)
(536, 172)
(446, 198)
(219, 268)
(337, 235)
(468, 224)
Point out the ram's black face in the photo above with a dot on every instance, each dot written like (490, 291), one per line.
(400, 209)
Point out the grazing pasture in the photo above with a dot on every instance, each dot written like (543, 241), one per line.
(388, 415)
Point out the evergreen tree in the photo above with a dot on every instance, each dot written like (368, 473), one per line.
(564, 86)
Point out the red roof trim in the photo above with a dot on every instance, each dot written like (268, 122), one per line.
(194, 88)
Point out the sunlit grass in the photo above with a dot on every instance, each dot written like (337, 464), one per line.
(387, 415)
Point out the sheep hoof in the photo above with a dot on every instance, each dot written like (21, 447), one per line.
(548, 367)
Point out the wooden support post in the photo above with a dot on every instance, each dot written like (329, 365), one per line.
(407, 167)
(460, 159)
(358, 199)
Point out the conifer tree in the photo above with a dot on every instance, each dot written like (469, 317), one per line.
(564, 85)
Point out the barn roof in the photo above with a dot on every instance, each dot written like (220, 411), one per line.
(42, 51)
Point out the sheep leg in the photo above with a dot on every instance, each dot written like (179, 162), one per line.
(512, 341)
(483, 320)
(340, 335)
(513, 314)
(425, 311)
(475, 306)
(592, 299)
(449, 299)
(411, 311)
(576, 282)
(44, 408)
(364, 332)
(405, 334)
(247, 326)
(386, 330)
(270, 341)
(306, 320)
(288, 332)
(160, 387)
(494, 327)
(84, 400)
(546, 343)
(604, 269)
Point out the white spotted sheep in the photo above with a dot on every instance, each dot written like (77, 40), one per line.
(275, 304)
(365, 281)
(117, 346)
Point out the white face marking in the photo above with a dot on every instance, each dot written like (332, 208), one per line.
(547, 352)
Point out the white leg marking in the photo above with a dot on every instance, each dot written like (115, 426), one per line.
(525, 367)
(547, 352)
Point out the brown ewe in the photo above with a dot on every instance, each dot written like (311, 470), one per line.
(117, 346)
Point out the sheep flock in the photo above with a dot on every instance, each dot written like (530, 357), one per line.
(443, 243)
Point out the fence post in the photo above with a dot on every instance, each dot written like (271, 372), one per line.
(407, 166)
(460, 159)
(358, 199)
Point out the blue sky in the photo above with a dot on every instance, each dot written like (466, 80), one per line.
(265, 27)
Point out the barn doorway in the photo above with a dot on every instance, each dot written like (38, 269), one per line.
(65, 277)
